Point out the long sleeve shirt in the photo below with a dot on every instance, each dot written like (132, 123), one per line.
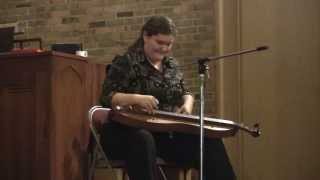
(133, 73)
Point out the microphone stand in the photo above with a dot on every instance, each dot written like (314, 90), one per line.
(203, 69)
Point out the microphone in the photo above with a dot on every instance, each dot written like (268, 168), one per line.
(262, 48)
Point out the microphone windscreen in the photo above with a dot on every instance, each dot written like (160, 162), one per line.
(261, 48)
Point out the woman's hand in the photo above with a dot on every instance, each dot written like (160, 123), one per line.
(145, 102)
(142, 102)
(187, 106)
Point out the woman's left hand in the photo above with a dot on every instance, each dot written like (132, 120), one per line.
(183, 110)
(187, 106)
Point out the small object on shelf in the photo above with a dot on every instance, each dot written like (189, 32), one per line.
(22, 41)
(70, 48)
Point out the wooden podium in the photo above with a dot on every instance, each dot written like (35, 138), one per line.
(44, 99)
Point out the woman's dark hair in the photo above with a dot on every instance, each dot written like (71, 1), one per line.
(154, 26)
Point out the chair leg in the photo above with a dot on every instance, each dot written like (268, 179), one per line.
(163, 174)
(99, 149)
(184, 174)
(92, 163)
(124, 174)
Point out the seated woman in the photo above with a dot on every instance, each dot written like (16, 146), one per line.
(146, 78)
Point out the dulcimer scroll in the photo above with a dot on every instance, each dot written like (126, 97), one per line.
(162, 121)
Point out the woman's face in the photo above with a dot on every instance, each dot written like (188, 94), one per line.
(156, 47)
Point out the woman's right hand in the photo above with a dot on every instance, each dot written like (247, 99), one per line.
(146, 103)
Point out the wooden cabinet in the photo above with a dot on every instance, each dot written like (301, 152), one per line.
(44, 99)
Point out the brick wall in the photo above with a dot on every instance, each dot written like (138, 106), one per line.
(108, 27)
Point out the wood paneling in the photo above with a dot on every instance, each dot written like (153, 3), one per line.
(44, 102)
(279, 88)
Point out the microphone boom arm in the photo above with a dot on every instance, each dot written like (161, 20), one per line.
(214, 58)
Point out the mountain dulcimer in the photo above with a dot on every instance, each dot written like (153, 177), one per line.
(161, 121)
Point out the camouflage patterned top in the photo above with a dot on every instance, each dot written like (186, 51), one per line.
(133, 73)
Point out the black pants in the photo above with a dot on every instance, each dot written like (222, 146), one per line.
(140, 148)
